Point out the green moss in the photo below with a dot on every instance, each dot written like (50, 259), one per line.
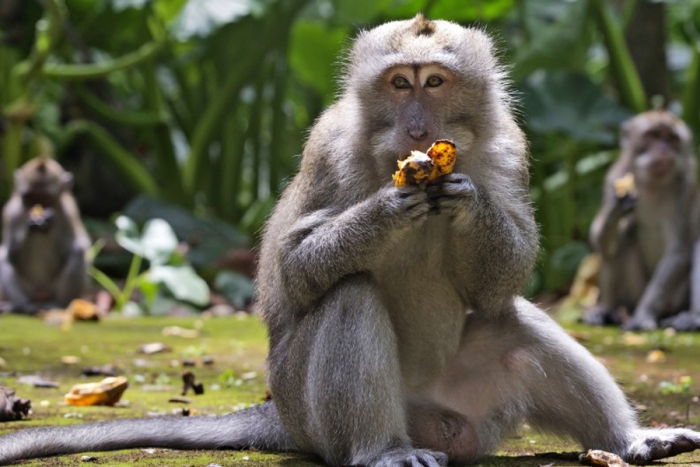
(238, 347)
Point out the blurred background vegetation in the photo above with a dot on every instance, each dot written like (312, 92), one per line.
(196, 110)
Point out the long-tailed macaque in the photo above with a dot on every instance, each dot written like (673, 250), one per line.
(42, 257)
(396, 335)
(645, 232)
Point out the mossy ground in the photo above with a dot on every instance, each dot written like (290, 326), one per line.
(236, 379)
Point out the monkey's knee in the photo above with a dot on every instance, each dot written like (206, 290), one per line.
(444, 430)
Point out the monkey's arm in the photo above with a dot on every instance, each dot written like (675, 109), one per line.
(605, 231)
(321, 247)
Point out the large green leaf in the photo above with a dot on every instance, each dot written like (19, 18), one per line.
(158, 241)
(314, 53)
(127, 235)
(238, 289)
(182, 281)
(572, 104)
(208, 239)
(556, 31)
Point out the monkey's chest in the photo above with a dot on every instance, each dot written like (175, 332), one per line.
(38, 261)
(425, 308)
(654, 237)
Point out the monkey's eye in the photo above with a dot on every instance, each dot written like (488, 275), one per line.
(434, 81)
(400, 82)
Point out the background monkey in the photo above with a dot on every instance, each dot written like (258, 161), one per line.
(396, 337)
(42, 257)
(646, 238)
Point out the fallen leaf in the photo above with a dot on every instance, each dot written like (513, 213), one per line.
(180, 400)
(188, 380)
(153, 347)
(656, 356)
(70, 359)
(631, 339)
(2, 363)
(100, 370)
(37, 381)
(182, 332)
(83, 310)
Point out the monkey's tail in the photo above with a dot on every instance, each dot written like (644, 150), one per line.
(259, 427)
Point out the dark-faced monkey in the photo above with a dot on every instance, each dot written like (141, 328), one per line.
(42, 257)
(396, 334)
(647, 225)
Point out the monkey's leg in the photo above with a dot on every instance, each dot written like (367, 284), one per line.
(570, 393)
(71, 283)
(689, 320)
(11, 288)
(621, 283)
(336, 379)
(257, 427)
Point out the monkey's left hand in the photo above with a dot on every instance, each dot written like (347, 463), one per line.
(451, 194)
(652, 444)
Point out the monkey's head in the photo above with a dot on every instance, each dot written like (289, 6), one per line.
(417, 81)
(41, 181)
(659, 146)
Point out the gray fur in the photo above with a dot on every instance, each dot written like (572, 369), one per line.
(646, 243)
(396, 335)
(42, 269)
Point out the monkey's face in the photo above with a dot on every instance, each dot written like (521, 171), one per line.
(418, 81)
(41, 182)
(658, 144)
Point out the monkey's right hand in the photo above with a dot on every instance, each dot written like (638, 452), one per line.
(625, 204)
(407, 204)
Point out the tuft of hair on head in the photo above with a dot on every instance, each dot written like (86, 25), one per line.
(422, 26)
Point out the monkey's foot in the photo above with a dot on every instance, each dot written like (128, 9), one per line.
(409, 457)
(655, 444)
(685, 321)
(640, 323)
(601, 316)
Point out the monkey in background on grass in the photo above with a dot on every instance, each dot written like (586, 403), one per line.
(44, 244)
(647, 226)
(396, 334)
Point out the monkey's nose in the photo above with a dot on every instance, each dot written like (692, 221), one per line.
(418, 133)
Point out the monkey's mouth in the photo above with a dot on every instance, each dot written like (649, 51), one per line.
(40, 218)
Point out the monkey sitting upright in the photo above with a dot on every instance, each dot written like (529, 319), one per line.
(647, 225)
(44, 243)
(396, 335)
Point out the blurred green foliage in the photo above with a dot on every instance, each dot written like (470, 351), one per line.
(204, 104)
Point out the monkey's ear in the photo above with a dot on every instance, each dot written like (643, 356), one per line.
(625, 129)
(67, 181)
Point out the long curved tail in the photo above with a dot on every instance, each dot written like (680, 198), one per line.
(258, 427)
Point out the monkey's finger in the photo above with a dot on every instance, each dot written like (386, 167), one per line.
(418, 211)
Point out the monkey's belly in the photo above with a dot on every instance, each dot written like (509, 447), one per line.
(428, 328)
(38, 269)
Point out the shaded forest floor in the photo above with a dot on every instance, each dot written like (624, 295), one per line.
(659, 371)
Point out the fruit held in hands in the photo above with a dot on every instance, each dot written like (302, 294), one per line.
(420, 167)
(624, 186)
(413, 170)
